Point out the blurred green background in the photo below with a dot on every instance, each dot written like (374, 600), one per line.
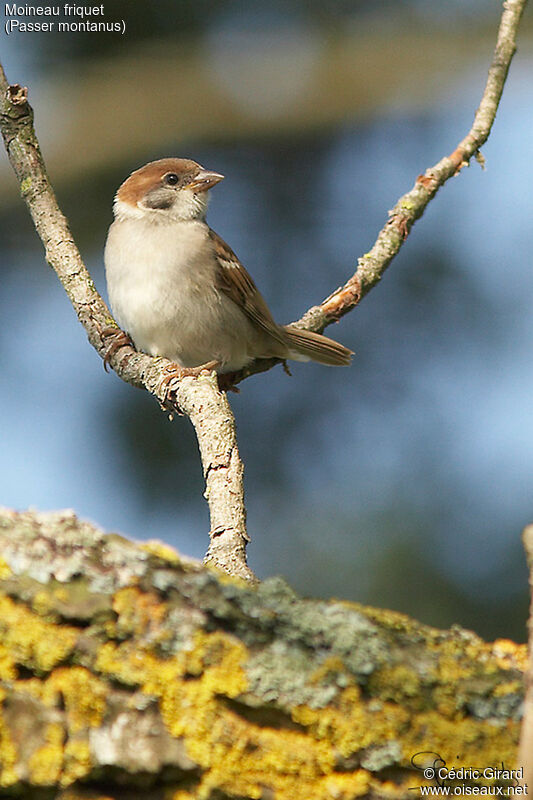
(404, 481)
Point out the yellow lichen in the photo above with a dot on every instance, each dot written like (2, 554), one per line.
(61, 594)
(30, 686)
(219, 659)
(86, 794)
(356, 724)
(396, 683)
(140, 613)
(8, 752)
(32, 641)
(508, 688)
(389, 619)
(462, 741)
(345, 786)
(455, 662)
(330, 671)
(243, 758)
(8, 671)
(161, 550)
(353, 724)
(196, 689)
(46, 763)
(5, 571)
(127, 664)
(236, 755)
(77, 761)
(42, 603)
(239, 757)
(83, 694)
(510, 655)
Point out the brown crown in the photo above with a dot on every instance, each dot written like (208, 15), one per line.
(142, 180)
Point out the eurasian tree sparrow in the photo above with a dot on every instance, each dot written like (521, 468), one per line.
(178, 289)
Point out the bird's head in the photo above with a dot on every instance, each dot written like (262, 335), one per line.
(168, 190)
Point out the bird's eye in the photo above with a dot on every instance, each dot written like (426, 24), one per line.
(171, 179)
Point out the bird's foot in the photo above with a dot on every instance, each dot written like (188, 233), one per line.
(118, 339)
(175, 372)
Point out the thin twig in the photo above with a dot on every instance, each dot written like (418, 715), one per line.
(199, 399)
(412, 205)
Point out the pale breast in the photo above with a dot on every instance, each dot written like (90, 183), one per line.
(163, 290)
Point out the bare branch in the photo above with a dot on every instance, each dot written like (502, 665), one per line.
(412, 205)
(199, 399)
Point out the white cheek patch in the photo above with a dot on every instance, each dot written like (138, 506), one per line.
(189, 204)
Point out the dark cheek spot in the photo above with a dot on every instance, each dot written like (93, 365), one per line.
(159, 198)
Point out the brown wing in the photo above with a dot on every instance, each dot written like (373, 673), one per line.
(237, 284)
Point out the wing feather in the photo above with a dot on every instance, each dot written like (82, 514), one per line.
(238, 285)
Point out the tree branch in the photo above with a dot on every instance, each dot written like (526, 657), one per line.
(412, 205)
(126, 672)
(199, 399)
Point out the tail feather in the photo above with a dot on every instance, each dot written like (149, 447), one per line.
(305, 345)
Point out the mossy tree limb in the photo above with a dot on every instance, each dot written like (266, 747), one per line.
(125, 669)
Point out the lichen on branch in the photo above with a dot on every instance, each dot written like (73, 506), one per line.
(129, 669)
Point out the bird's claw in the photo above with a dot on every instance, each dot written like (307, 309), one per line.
(119, 339)
(175, 372)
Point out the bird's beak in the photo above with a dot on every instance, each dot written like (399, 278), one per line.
(204, 180)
